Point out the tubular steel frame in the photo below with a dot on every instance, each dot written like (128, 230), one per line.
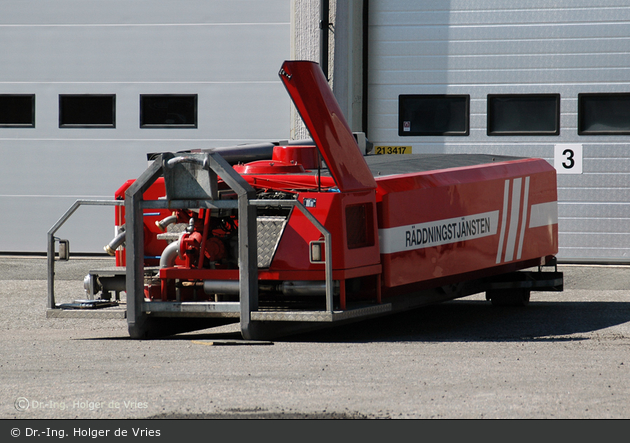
(246, 205)
(52, 240)
(247, 309)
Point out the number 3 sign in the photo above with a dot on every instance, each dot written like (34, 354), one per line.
(567, 159)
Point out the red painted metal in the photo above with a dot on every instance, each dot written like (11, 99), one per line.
(445, 224)
(330, 209)
(307, 156)
(391, 235)
(269, 167)
(314, 100)
(153, 247)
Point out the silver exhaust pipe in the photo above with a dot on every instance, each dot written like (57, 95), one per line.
(290, 288)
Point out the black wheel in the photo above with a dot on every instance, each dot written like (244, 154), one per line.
(508, 297)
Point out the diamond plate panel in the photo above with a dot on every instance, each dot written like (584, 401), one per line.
(269, 232)
(173, 232)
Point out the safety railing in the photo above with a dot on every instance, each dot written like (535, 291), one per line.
(246, 205)
(328, 267)
(51, 250)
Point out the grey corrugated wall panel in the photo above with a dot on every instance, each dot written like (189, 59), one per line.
(228, 53)
(481, 47)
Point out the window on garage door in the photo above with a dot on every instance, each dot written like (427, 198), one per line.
(420, 115)
(87, 111)
(604, 114)
(523, 114)
(17, 110)
(168, 111)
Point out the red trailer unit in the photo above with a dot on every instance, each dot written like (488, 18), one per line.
(321, 234)
(484, 219)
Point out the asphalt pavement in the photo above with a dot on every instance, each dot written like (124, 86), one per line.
(565, 356)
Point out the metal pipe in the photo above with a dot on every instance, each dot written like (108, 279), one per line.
(324, 26)
(242, 153)
(221, 286)
(163, 224)
(365, 58)
(305, 288)
(111, 247)
(169, 254)
(202, 248)
(288, 288)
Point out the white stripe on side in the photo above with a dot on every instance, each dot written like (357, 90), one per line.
(506, 196)
(543, 214)
(514, 217)
(523, 219)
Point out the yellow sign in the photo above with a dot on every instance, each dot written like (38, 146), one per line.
(392, 149)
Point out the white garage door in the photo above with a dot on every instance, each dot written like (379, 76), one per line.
(73, 76)
(529, 78)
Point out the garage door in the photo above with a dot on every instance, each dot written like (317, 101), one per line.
(528, 78)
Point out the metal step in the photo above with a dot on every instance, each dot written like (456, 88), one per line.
(106, 313)
(197, 309)
(222, 310)
(320, 316)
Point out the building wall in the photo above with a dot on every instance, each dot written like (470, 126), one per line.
(344, 57)
(228, 53)
(481, 47)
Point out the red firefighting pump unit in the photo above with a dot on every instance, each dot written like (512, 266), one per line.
(323, 233)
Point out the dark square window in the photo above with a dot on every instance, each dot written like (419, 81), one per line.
(433, 115)
(17, 110)
(604, 114)
(168, 111)
(524, 114)
(87, 111)
(359, 225)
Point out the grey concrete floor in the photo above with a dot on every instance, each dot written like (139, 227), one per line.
(567, 355)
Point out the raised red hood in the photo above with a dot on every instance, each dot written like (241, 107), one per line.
(320, 111)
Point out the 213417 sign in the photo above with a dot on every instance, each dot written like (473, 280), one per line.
(381, 150)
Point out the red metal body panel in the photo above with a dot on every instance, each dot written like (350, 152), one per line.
(307, 156)
(330, 210)
(269, 167)
(293, 252)
(289, 183)
(314, 100)
(152, 246)
(451, 222)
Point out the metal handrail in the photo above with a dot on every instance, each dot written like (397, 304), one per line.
(327, 242)
(246, 203)
(328, 267)
(51, 240)
(62, 220)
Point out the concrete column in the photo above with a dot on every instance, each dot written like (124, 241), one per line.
(348, 61)
(345, 54)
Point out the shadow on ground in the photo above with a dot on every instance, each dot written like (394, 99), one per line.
(464, 320)
(460, 320)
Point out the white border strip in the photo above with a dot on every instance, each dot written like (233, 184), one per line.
(523, 219)
(438, 232)
(506, 196)
(543, 214)
(514, 217)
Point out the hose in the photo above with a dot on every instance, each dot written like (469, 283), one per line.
(111, 247)
(163, 224)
